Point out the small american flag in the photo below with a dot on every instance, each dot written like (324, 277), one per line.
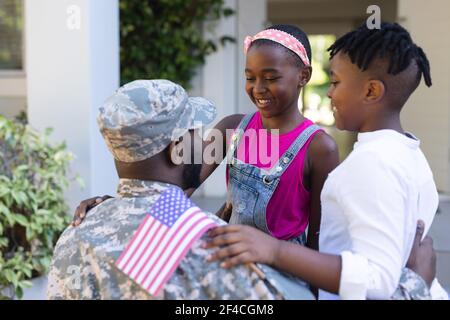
(162, 240)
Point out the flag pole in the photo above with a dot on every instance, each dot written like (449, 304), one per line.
(256, 270)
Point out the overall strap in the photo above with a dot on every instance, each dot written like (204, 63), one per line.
(286, 159)
(237, 135)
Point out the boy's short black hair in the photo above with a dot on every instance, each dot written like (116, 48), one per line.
(391, 43)
(294, 31)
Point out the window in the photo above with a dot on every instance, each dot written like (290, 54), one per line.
(11, 35)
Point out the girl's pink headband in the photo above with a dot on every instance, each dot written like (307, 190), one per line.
(283, 38)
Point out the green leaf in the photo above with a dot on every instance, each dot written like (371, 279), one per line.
(32, 184)
(19, 292)
(25, 283)
(4, 190)
(9, 275)
(3, 243)
(29, 233)
(20, 219)
(16, 196)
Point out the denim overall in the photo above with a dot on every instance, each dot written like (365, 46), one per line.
(250, 188)
(249, 191)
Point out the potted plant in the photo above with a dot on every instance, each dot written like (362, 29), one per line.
(32, 206)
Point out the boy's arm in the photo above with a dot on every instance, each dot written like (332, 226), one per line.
(414, 282)
(322, 157)
(243, 244)
(240, 244)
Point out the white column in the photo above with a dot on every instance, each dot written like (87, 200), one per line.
(220, 86)
(427, 112)
(72, 56)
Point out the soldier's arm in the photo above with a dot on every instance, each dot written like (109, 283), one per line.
(55, 286)
(65, 271)
(411, 287)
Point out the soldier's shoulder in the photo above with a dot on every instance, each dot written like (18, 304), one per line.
(106, 227)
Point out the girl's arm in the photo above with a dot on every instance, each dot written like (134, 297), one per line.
(227, 123)
(322, 157)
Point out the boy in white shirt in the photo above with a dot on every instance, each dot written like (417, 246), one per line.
(372, 201)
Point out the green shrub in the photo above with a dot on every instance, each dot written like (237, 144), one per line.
(32, 206)
(164, 38)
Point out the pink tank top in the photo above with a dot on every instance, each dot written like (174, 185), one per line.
(287, 213)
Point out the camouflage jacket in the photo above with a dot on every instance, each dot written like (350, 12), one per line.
(83, 262)
(83, 265)
(411, 287)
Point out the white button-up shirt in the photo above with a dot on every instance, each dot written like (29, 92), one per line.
(370, 207)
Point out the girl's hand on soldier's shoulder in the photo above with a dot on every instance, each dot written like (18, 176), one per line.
(240, 244)
(84, 207)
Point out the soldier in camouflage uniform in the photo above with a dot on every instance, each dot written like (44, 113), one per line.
(83, 265)
(140, 122)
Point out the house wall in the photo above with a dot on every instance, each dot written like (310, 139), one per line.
(427, 112)
(71, 69)
(12, 93)
(327, 16)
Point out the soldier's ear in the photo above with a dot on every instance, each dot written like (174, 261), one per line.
(175, 152)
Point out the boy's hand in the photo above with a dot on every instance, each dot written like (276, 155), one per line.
(422, 259)
(84, 207)
(241, 244)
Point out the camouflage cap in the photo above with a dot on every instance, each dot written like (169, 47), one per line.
(142, 117)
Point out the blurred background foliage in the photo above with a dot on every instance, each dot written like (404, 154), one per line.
(33, 211)
(164, 38)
